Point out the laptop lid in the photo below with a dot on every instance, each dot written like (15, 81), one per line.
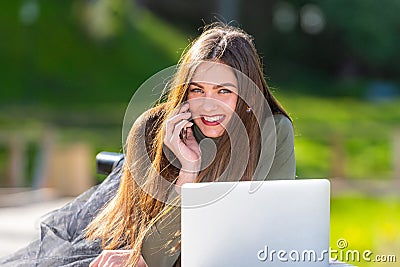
(256, 223)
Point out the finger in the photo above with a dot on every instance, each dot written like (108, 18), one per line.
(171, 122)
(174, 119)
(114, 260)
(183, 133)
(103, 259)
(192, 142)
(175, 136)
(183, 108)
(178, 128)
(118, 259)
(95, 262)
(105, 256)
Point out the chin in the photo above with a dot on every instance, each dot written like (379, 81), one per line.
(212, 133)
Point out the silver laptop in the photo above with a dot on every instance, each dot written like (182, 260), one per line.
(260, 223)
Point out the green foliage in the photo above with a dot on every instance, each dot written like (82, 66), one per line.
(54, 60)
(368, 27)
(361, 133)
(368, 158)
(313, 158)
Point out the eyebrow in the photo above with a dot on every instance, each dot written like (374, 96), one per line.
(215, 86)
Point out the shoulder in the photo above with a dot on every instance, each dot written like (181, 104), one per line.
(148, 122)
(282, 122)
(283, 135)
(146, 126)
(150, 116)
(277, 151)
(284, 127)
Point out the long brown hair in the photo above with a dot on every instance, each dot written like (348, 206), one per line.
(128, 217)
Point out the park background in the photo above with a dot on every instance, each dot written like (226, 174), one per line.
(69, 69)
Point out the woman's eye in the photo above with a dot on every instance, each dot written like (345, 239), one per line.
(196, 90)
(225, 91)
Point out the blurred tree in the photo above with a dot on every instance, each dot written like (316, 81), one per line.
(370, 31)
(339, 37)
(84, 52)
(102, 19)
(186, 14)
(78, 50)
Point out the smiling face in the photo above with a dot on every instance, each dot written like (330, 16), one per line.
(212, 96)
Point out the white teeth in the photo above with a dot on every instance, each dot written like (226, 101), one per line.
(213, 119)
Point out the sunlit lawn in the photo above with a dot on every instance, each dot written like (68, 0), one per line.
(366, 224)
(358, 132)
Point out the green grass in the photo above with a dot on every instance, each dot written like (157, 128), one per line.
(366, 224)
(357, 132)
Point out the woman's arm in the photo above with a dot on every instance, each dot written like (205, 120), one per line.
(283, 165)
(184, 177)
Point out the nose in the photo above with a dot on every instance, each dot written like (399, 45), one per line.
(209, 104)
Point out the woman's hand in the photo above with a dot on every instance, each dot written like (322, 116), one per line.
(110, 258)
(180, 140)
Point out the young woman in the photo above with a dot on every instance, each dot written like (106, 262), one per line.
(219, 122)
(218, 93)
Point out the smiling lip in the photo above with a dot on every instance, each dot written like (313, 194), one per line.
(212, 120)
